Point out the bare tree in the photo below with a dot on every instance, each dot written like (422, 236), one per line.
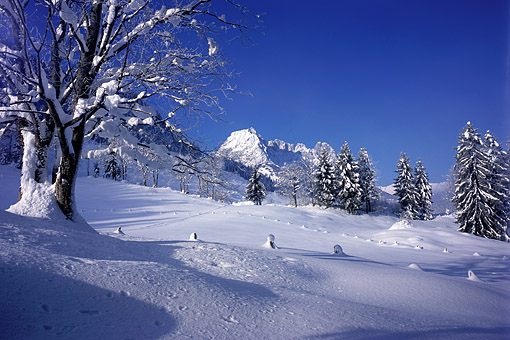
(292, 177)
(97, 67)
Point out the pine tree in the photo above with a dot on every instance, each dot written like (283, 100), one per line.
(348, 187)
(324, 181)
(423, 191)
(255, 191)
(405, 189)
(368, 189)
(112, 169)
(498, 181)
(474, 196)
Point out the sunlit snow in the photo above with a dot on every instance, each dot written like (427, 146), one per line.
(153, 278)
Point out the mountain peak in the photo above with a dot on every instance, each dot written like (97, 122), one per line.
(251, 149)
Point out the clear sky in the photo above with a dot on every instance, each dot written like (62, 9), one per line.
(390, 76)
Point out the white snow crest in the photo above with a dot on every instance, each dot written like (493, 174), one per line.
(402, 224)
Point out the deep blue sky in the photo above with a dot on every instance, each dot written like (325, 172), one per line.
(390, 76)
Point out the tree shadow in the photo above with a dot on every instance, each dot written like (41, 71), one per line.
(464, 333)
(38, 304)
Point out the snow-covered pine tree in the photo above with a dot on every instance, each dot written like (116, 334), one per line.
(324, 181)
(498, 181)
(405, 189)
(111, 167)
(423, 191)
(255, 191)
(347, 179)
(368, 189)
(474, 197)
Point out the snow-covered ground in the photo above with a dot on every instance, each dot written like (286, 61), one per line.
(395, 280)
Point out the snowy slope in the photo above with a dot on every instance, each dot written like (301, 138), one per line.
(153, 282)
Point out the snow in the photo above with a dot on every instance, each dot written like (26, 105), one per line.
(250, 149)
(154, 282)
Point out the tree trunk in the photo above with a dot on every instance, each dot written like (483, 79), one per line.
(68, 169)
(64, 184)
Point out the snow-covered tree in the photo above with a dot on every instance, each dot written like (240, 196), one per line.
(255, 191)
(10, 149)
(405, 189)
(423, 192)
(101, 66)
(474, 196)
(498, 181)
(324, 181)
(368, 189)
(291, 178)
(348, 189)
(112, 167)
(308, 185)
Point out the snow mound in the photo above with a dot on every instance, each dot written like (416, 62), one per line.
(270, 242)
(119, 231)
(415, 267)
(472, 276)
(402, 224)
(337, 250)
(40, 202)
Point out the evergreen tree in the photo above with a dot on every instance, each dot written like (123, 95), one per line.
(474, 195)
(111, 167)
(424, 193)
(348, 187)
(405, 189)
(368, 189)
(324, 181)
(255, 191)
(498, 181)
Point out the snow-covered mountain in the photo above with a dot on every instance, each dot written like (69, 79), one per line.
(250, 149)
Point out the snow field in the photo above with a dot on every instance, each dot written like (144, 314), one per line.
(153, 282)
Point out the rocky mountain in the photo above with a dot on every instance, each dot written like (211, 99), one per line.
(248, 148)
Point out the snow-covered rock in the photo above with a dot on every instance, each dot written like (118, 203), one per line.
(270, 244)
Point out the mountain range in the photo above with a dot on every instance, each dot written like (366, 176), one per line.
(249, 148)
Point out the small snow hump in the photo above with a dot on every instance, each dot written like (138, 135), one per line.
(445, 250)
(415, 267)
(337, 250)
(270, 242)
(193, 237)
(472, 276)
(119, 231)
